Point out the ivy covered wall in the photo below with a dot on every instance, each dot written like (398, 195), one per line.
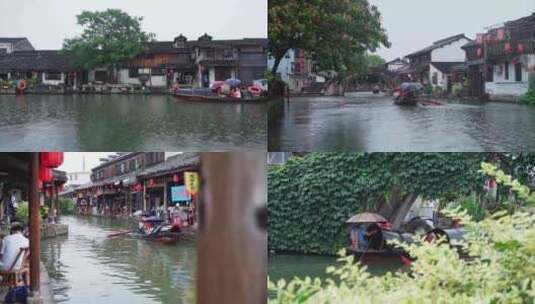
(311, 197)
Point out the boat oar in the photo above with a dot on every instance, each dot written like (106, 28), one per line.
(120, 233)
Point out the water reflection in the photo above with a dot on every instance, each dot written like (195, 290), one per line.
(372, 123)
(128, 123)
(87, 267)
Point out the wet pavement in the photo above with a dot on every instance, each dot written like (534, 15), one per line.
(367, 122)
(128, 123)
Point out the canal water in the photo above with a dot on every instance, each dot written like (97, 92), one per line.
(128, 123)
(371, 123)
(288, 266)
(88, 267)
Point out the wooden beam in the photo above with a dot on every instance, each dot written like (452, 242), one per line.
(35, 225)
(232, 246)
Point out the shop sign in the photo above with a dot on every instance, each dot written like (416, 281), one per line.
(191, 180)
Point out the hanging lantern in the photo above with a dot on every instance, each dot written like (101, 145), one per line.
(151, 182)
(479, 52)
(176, 178)
(40, 184)
(520, 48)
(508, 48)
(51, 159)
(45, 174)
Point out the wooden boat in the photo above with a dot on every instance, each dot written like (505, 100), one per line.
(208, 96)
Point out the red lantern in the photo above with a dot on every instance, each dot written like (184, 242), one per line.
(508, 48)
(151, 182)
(520, 48)
(40, 184)
(45, 174)
(51, 159)
(479, 52)
(176, 178)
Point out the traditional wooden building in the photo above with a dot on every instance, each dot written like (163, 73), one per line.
(112, 190)
(49, 68)
(10, 45)
(501, 59)
(442, 53)
(130, 182)
(196, 63)
(165, 185)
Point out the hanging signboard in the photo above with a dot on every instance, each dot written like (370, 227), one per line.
(179, 194)
(191, 180)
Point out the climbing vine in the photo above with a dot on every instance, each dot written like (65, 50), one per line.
(311, 197)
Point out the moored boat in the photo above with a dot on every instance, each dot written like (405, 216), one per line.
(205, 96)
(407, 94)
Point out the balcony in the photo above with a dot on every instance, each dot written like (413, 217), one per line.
(509, 48)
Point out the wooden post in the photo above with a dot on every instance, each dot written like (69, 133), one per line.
(232, 245)
(166, 216)
(144, 196)
(56, 203)
(35, 226)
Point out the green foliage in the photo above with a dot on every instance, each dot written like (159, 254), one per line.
(66, 206)
(310, 198)
(457, 89)
(374, 60)
(528, 98)
(428, 89)
(471, 206)
(22, 212)
(353, 26)
(109, 37)
(499, 267)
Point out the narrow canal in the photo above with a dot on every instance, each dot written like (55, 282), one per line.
(128, 123)
(88, 267)
(371, 123)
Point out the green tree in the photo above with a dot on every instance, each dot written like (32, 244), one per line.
(108, 38)
(336, 34)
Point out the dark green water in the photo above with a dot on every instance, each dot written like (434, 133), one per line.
(364, 122)
(88, 267)
(128, 123)
(290, 266)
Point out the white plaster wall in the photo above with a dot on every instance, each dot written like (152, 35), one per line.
(159, 81)
(502, 86)
(7, 46)
(441, 80)
(285, 66)
(53, 82)
(211, 75)
(124, 77)
(395, 66)
(451, 52)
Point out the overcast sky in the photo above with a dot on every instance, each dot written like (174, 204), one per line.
(415, 24)
(73, 160)
(47, 22)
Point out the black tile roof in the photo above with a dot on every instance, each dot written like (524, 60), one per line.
(438, 44)
(36, 61)
(446, 67)
(159, 47)
(11, 40)
(171, 165)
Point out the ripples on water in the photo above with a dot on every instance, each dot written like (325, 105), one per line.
(87, 267)
(372, 123)
(128, 123)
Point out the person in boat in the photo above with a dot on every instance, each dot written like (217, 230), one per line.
(11, 246)
(362, 237)
(235, 92)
